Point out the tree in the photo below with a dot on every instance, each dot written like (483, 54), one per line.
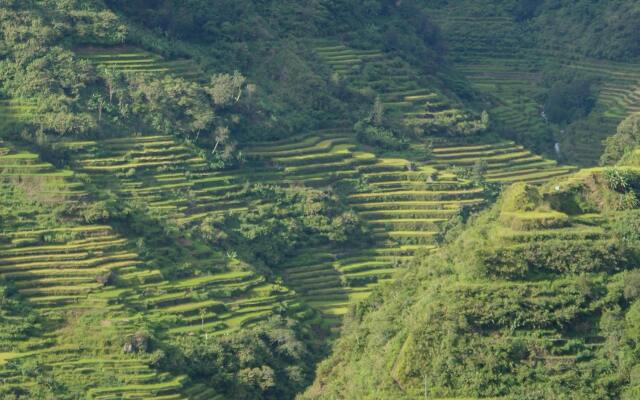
(268, 361)
(226, 89)
(172, 105)
(203, 314)
(480, 168)
(113, 79)
(485, 119)
(377, 113)
(569, 101)
(220, 136)
(97, 102)
(64, 121)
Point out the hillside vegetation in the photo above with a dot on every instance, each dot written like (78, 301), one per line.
(546, 71)
(535, 298)
(205, 201)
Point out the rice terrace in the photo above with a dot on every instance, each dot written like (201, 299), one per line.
(319, 199)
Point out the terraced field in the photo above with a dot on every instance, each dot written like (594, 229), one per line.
(36, 178)
(488, 50)
(344, 60)
(403, 93)
(134, 60)
(506, 162)
(521, 232)
(402, 205)
(164, 175)
(12, 112)
(69, 270)
(130, 378)
(518, 110)
(177, 185)
(75, 269)
(58, 267)
(173, 183)
(216, 304)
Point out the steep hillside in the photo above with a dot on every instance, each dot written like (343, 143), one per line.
(144, 263)
(536, 298)
(114, 310)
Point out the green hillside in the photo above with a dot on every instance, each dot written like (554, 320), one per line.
(318, 199)
(535, 298)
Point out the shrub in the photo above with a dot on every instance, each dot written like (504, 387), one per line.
(621, 180)
(379, 137)
(375, 131)
(627, 138)
(631, 289)
(294, 216)
(631, 159)
(621, 192)
(479, 170)
(268, 361)
(552, 256)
